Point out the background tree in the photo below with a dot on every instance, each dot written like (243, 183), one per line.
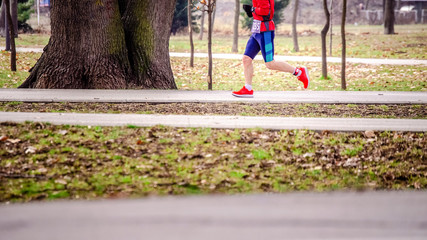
(209, 7)
(279, 6)
(180, 17)
(344, 46)
(389, 16)
(11, 35)
(14, 13)
(235, 47)
(190, 31)
(323, 35)
(25, 9)
(294, 26)
(112, 44)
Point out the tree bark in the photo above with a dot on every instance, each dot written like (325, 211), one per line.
(190, 31)
(343, 55)
(324, 33)
(211, 7)
(389, 16)
(112, 44)
(14, 13)
(331, 23)
(294, 26)
(11, 36)
(235, 47)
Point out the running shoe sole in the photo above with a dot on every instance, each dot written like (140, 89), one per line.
(243, 96)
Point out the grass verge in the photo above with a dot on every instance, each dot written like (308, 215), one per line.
(42, 161)
(239, 109)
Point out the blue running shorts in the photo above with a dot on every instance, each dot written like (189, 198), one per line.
(261, 41)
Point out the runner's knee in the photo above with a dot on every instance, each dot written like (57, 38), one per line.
(246, 60)
(270, 65)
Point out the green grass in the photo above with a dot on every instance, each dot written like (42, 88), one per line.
(72, 162)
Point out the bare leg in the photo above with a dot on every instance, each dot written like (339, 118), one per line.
(280, 66)
(248, 69)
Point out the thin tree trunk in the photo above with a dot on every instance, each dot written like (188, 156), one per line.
(235, 47)
(14, 13)
(2, 20)
(331, 24)
(294, 26)
(11, 36)
(323, 35)
(366, 4)
(190, 31)
(389, 16)
(202, 26)
(343, 55)
(211, 6)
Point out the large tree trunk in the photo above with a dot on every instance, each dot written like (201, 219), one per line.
(112, 44)
(389, 16)
(235, 47)
(294, 26)
(324, 33)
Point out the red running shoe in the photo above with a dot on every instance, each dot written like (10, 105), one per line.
(303, 77)
(244, 93)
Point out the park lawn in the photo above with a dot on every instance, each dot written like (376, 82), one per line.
(228, 75)
(365, 45)
(43, 161)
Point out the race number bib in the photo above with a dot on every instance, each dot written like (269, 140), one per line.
(256, 26)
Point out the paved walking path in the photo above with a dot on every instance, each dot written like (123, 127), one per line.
(276, 123)
(167, 96)
(374, 61)
(307, 216)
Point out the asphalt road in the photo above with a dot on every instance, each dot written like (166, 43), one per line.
(308, 216)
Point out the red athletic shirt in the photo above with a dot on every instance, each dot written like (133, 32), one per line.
(262, 9)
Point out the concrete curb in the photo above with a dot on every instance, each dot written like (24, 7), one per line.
(276, 123)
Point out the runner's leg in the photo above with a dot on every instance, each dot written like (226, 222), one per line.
(252, 49)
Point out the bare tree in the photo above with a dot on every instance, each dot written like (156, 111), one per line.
(209, 7)
(343, 55)
(11, 36)
(294, 26)
(324, 33)
(388, 16)
(331, 32)
(190, 31)
(235, 47)
(366, 4)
